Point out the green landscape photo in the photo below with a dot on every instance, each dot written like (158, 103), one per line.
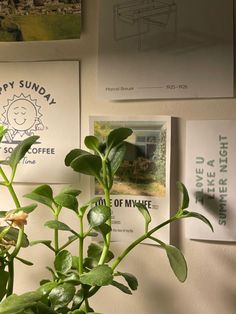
(32, 20)
(143, 170)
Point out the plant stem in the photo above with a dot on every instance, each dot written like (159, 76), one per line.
(133, 245)
(108, 236)
(10, 188)
(3, 175)
(81, 246)
(4, 232)
(21, 230)
(87, 307)
(139, 240)
(66, 244)
(56, 234)
(93, 291)
(161, 244)
(18, 244)
(11, 278)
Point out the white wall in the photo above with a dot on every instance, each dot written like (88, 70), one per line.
(211, 285)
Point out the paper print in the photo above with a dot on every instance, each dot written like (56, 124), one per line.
(210, 179)
(165, 49)
(143, 175)
(36, 99)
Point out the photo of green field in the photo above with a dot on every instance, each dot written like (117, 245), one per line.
(143, 170)
(24, 20)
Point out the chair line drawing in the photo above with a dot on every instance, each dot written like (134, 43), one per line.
(141, 14)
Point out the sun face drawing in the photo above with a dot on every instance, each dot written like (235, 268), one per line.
(22, 116)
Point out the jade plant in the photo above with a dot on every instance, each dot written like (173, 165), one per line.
(75, 279)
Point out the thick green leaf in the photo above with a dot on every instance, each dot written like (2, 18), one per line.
(75, 262)
(24, 261)
(104, 229)
(67, 201)
(45, 242)
(144, 211)
(187, 214)
(90, 263)
(92, 234)
(4, 162)
(28, 311)
(77, 312)
(92, 142)
(63, 262)
(177, 262)
(41, 308)
(3, 131)
(53, 273)
(3, 213)
(116, 157)
(130, 279)
(87, 164)
(55, 224)
(12, 235)
(73, 154)
(3, 283)
(83, 208)
(43, 282)
(70, 190)
(98, 276)
(98, 215)
(20, 150)
(72, 238)
(61, 295)
(117, 136)
(87, 309)
(46, 288)
(72, 278)
(121, 287)
(42, 194)
(95, 250)
(15, 304)
(78, 299)
(26, 209)
(185, 197)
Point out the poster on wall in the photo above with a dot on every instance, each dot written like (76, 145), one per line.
(36, 99)
(165, 49)
(210, 178)
(142, 177)
(30, 20)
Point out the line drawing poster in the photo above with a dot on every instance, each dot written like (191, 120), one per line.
(142, 177)
(210, 178)
(41, 98)
(165, 49)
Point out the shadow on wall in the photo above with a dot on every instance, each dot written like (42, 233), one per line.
(221, 213)
(228, 284)
(210, 287)
(175, 170)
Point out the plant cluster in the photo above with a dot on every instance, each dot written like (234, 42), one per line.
(75, 279)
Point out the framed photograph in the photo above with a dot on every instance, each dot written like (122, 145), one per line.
(143, 175)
